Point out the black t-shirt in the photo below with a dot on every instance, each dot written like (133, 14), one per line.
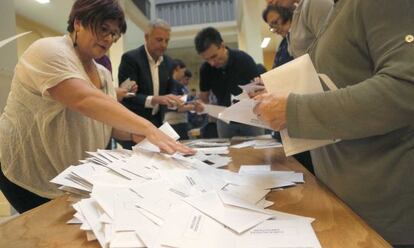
(223, 82)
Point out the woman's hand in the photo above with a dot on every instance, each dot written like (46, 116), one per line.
(164, 142)
(271, 109)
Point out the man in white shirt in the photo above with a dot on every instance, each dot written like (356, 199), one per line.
(151, 70)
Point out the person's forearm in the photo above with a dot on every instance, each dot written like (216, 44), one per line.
(121, 135)
(101, 107)
(80, 97)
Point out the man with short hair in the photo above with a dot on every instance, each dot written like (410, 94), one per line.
(224, 70)
(151, 70)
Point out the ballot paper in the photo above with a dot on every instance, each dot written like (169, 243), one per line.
(183, 98)
(252, 195)
(269, 180)
(208, 143)
(8, 40)
(252, 87)
(90, 210)
(148, 146)
(242, 112)
(236, 218)
(213, 160)
(187, 227)
(163, 200)
(156, 197)
(252, 169)
(275, 233)
(244, 144)
(213, 150)
(298, 76)
(213, 110)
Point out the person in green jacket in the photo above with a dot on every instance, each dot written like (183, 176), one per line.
(369, 55)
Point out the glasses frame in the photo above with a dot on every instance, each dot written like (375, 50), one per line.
(103, 31)
(275, 25)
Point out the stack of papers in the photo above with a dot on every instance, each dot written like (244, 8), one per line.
(144, 198)
(149, 199)
(282, 81)
(259, 144)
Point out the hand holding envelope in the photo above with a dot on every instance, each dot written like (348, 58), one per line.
(254, 88)
(128, 88)
(271, 109)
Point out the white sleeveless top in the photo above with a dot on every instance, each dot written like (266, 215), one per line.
(40, 137)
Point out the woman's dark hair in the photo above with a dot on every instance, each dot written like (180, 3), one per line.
(285, 13)
(207, 37)
(93, 13)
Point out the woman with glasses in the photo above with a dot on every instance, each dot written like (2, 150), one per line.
(279, 20)
(62, 103)
(307, 20)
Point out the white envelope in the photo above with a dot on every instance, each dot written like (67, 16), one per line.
(186, 227)
(89, 209)
(298, 76)
(165, 128)
(242, 112)
(276, 233)
(249, 194)
(213, 110)
(237, 219)
(156, 197)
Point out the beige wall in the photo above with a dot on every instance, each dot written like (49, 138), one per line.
(249, 35)
(268, 58)
(38, 31)
(8, 61)
(8, 58)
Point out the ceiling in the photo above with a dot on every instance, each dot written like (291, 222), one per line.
(54, 16)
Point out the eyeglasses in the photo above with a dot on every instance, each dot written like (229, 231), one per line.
(275, 25)
(103, 31)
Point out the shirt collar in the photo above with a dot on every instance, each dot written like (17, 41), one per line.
(151, 60)
(230, 59)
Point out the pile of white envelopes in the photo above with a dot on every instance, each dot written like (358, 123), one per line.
(147, 199)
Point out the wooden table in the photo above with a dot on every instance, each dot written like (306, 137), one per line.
(336, 225)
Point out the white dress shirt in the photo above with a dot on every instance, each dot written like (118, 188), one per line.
(155, 81)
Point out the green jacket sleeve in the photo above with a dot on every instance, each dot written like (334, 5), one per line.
(382, 102)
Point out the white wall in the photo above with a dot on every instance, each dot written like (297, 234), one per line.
(8, 53)
(249, 21)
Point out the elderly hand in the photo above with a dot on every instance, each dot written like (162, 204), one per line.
(271, 109)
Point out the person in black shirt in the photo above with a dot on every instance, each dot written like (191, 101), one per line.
(223, 70)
